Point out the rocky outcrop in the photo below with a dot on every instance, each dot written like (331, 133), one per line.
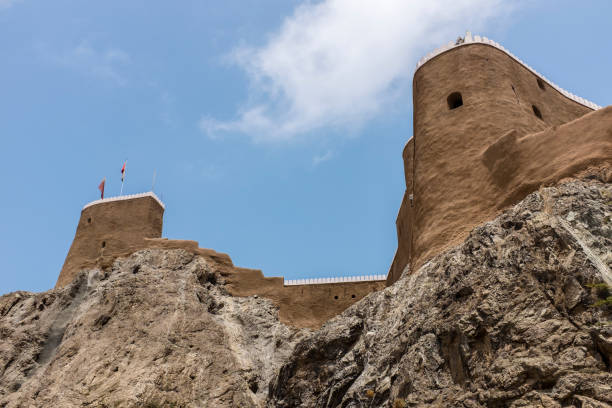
(157, 329)
(503, 320)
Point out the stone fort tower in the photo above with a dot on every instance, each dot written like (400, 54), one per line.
(488, 130)
(111, 228)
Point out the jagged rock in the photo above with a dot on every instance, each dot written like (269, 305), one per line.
(156, 330)
(503, 320)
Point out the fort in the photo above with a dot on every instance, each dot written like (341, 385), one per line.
(488, 130)
(118, 226)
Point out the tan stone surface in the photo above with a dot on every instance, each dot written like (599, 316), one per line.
(470, 162)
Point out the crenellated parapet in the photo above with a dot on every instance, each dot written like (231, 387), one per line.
(126, 197)
(476, 39)
(340, 279)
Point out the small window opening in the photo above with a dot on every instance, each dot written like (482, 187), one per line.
(454, 100)
(536, 111)
(336, 297)
(515, 94)
(541, 84)
(103, 244)
(89, 220)
(353, 296)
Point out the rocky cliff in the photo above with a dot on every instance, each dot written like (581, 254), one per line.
(515, 316)
(156, 330)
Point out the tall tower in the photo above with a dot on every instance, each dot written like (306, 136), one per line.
(112, 227)
(467, 96)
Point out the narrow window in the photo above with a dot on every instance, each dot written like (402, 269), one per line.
(89, 220)
(103, 244)
(541, 84)
(515, 94)
(537, 112)
(336, 297)
(353, 296)
(454, 100)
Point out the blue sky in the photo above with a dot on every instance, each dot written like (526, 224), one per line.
(275, 127)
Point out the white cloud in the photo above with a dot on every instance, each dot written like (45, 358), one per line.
(318, 159)
(105, 64)
(338, 63)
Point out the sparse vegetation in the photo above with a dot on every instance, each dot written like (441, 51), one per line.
(603, 293)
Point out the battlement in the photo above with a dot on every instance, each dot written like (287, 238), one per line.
(126, 197)
(341, 279)
(476, 39)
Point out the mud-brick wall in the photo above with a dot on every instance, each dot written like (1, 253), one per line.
(110, 229)
(455, 185)
(308, 305)
(300, 305)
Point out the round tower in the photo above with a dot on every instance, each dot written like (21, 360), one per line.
(467, 97)
(112, 227)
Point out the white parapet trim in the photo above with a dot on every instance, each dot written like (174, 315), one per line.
(476, 39)
(341, 279)
(126, 197)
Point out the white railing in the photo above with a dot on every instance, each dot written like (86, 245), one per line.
(126, 197)
(342, 279)
(469, 39)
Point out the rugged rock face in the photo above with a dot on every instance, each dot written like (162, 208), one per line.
(503, 320)
(156, 330)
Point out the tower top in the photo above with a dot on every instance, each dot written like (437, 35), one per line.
(476, 39)
(126, 197)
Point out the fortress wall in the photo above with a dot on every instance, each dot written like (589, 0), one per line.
(119, 226)
(456, 185)
(308, 305)
(108, 229)
(299, 305)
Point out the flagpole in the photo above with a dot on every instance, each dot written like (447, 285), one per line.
(123, 176)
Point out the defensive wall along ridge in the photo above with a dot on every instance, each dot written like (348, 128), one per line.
(488, 130)
(118, 226)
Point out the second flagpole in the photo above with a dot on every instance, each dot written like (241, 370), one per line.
(123, 172)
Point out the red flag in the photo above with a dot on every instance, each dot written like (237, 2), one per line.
(101, 187)
(123, 171)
